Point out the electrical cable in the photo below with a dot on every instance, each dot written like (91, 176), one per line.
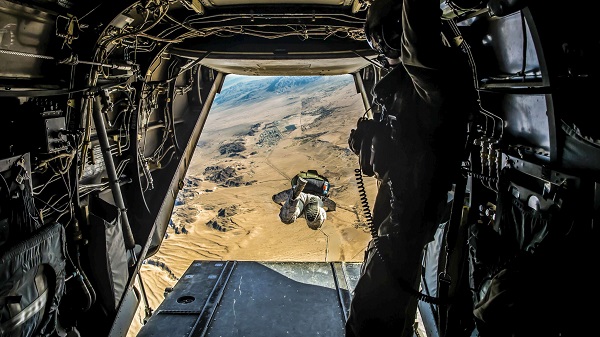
(7, 187)
(85, 283)
(479, 176)
(524, 46)
(72, 60)
(467, 50)
(23, 212)
(376, 64)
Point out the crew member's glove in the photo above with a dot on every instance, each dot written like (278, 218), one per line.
(360, 140)
(357, 135)
(371, 142)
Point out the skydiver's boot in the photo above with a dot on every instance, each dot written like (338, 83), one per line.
(299, 188)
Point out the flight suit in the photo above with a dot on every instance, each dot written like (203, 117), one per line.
(428, 113)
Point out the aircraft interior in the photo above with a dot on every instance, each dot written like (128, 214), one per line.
(103, 103)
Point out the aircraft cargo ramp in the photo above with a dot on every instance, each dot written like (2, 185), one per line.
(257, 299)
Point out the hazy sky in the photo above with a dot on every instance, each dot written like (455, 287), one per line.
(234, 79)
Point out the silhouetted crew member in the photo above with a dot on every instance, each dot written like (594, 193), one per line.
(418, 147)
(307, 197)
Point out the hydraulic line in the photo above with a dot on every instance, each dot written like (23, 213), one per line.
(87, 126)
(113, 178)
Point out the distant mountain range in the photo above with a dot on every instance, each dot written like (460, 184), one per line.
(244, 89)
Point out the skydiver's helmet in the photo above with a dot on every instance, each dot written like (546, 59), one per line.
(383, 29)
(314, 212)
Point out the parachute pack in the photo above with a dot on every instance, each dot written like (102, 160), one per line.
(316, 183)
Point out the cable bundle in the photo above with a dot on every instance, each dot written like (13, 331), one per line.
(24, 216)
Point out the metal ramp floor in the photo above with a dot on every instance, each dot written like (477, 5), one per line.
(257, 299)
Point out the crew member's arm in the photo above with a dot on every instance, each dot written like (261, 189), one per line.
(421, 40)
(423, 53)
(426, 60)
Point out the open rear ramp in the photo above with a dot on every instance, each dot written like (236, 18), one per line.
(233, 298)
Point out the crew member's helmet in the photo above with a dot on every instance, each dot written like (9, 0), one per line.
(314, 212)
(383, 28)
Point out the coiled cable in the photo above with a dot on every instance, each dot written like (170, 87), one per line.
(362, 192)
(377, 246)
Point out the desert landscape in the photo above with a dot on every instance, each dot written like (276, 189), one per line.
(260, 132)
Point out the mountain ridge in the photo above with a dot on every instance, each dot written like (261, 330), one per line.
(245, 91)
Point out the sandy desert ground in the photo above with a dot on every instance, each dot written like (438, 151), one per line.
(240, 222)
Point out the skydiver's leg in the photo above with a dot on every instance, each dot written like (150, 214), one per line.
(320, 216)
(292, 209)
(281, 197)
